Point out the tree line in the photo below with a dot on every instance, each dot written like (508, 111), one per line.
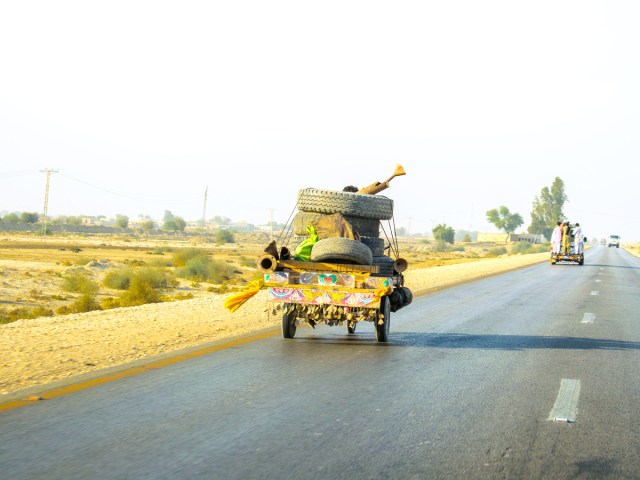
(548, 208)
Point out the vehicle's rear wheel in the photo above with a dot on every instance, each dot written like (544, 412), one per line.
(382, 322)
(288, 325)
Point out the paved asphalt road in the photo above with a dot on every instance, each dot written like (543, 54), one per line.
(529, 374)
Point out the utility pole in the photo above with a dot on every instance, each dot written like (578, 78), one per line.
(204, 210)
(45, 211)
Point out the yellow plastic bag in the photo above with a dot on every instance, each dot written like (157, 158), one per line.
(303, 251)
(235, 301)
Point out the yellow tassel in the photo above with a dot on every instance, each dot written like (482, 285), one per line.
(235, 301)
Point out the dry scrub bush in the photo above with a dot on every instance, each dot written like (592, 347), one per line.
(20, 313)
(196, 264)
(139, 285)
(123, 278)
(79, 282)
(497, 251)
(85, 303)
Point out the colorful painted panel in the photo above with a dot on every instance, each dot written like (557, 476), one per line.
(278, 278)
(378, 282)
(322, 297)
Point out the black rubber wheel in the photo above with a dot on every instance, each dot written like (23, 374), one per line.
(339, 249)
(288, 325)
(382, 331)
(408, 296)
(351, 327)
(346, 203)
(376, 244)
(385, 264)
(367, 227)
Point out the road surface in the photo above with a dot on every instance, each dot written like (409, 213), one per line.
(530, 374)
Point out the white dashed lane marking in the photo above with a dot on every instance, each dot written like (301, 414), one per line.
(566, 407)
(588, 317)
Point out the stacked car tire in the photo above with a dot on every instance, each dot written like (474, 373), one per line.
(363, 212)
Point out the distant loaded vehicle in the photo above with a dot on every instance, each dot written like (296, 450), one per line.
(613, 241)
(571, 255)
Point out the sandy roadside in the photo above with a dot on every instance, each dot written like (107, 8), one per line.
(39, 351)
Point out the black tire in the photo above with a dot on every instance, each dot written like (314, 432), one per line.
(341, 249)
(351, 327)
(408, 296)
(368, 227)
(288, 325)
(385, 264)
(382, 331)
(376, 244)
(347, 203)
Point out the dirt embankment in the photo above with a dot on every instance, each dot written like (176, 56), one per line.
(43, 350)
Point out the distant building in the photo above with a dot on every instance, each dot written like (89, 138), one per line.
(512, 237)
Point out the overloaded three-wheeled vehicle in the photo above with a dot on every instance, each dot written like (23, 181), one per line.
(570, 255)
(339, 262)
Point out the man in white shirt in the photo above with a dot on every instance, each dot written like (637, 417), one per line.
(578, 238)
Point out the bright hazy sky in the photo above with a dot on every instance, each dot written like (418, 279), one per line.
(141, 105)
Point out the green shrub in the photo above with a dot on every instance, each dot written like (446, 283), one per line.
(140, 292)
(522, 247)
(20, 313)
(79, 282)
(199, 267)
(497, 251)
(86, 303)
(223, 236)
(247, 261)
(123, 278)
(140, 285)
(220, 272)
(119, 279)
(181, 258)
(541, 248)
(441, 246)
(109, 303)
